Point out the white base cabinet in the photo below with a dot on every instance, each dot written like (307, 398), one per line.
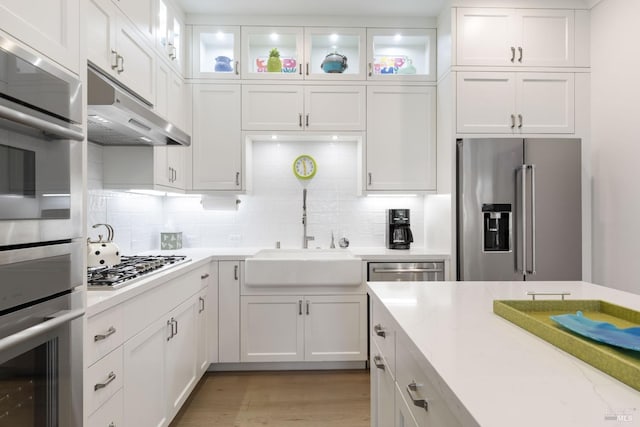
(515, 103)
(289, 328)
(382, 390)
(229, 278)
(401, 138)
(148, 353)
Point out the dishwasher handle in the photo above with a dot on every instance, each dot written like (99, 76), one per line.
(408, 270)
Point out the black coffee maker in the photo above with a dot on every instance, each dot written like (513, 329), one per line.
(398, 232)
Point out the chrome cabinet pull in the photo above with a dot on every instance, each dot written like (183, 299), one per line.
(201, 300)
(108, 381)
(519, 121)
(170, 325)
(377, 360)
(175, 322)
(204, 276)
(120, 62)
(513, 54)
(408, 270)
(235, 272)
(307, 307)
(370, 69)
(237, 178)
(237, 68)
(300, 119)
(299, 307)
(100, 337)
(513, 121)
(307, 68)
(421, 403)
(369, 174)
(520, 52)
(114, 57)
(307, 121)
(379, 330)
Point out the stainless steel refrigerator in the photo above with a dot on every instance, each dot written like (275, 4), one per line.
(519, 214)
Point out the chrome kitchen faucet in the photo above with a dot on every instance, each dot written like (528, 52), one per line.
(305, 238)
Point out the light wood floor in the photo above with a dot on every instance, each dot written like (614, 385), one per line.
(278, 399)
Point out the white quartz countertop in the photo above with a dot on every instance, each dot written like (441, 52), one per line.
(502, 374)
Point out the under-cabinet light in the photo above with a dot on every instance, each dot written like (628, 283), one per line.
(274, 36)
(392, 195)
(397, 37)
(333, 38)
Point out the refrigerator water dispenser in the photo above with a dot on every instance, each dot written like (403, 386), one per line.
(496, 235)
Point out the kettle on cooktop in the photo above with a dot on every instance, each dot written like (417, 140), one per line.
(398, 231)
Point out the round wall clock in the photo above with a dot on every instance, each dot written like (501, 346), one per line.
(304, 167)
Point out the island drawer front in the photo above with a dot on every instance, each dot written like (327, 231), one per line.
(413, 373)
(104, 334)
(383, 335)
(109, 414)
(104, 379)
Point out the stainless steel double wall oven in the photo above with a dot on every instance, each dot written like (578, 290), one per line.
(41, 244)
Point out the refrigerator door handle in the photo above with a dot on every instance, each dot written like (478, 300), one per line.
(523, 219)
(533, 219)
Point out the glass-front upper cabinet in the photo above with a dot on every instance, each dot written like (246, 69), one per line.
(272, 53)
(170, 34)
(335, 53)
(404, 54)
(216, 52)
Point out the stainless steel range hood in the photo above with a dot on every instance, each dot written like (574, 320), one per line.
(116, 117)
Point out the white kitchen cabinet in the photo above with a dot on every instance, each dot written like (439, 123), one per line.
(109, 414)
(519, 102)
(145, 383)
(516, 37)
(382, 391)
(272, 328)
(145, 167)
(401, 54)
(117, 47)
(142, 13)
(181, 351)
(229, 280)
(202, 328)
(319, 42)
(170, 34)
(295, 108)
(216, 52)
(288, 328)
(52, 28)
(335, 327)
(171, 100)
(217, 149)
(257, 43)
(211, 309)
(401, 138)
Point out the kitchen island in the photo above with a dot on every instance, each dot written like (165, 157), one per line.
(487, 371)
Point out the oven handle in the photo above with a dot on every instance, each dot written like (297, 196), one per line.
(52, 129)
(61, 318)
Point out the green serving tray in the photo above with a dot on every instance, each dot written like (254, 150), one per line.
(533, 316)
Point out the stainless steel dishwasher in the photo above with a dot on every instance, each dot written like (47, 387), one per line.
(425, 271)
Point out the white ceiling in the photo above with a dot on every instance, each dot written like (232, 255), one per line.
(416, 8)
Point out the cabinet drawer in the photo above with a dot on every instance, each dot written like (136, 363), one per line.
(384, 336)
(418, 383)
(109, 414)
(103, 379)
(104, 334)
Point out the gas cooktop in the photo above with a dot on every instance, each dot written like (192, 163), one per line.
(130, 270)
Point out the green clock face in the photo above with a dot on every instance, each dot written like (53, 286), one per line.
(304, 167)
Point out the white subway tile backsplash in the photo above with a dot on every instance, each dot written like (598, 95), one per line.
(272, 212)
